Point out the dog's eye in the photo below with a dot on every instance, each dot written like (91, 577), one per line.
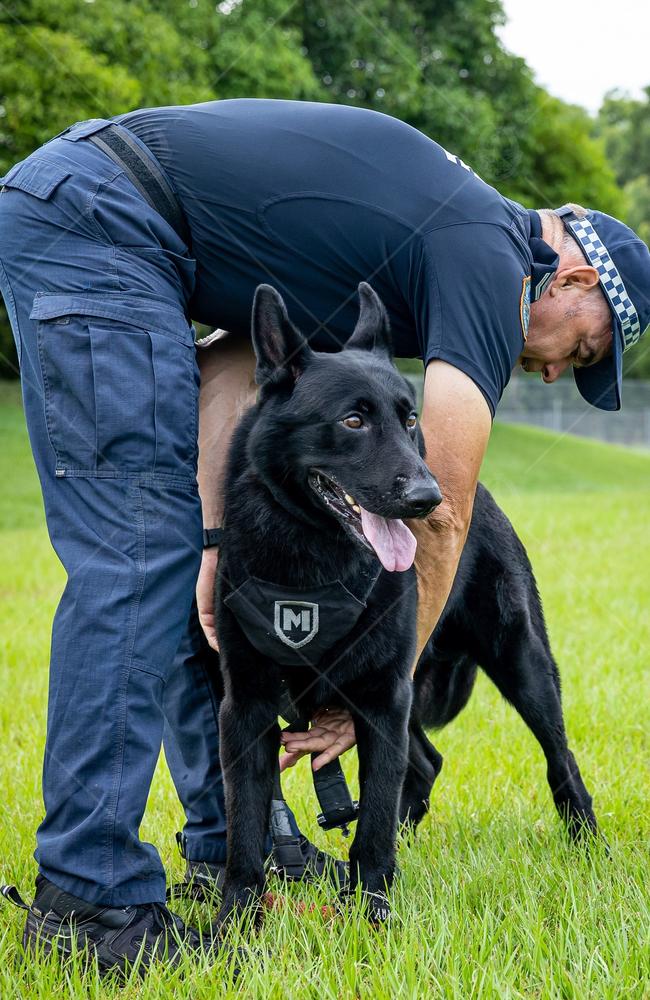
(353, 421)
(412, 421)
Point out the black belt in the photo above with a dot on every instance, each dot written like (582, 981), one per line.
(144, 171)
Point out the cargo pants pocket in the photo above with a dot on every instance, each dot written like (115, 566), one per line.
(120, 384)
(38, 178)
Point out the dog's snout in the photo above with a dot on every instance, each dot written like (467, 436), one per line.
(422, 498)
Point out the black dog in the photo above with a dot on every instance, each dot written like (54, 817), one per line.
(319, 472)
(493, 617)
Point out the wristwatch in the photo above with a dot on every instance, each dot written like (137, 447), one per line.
(212, 537)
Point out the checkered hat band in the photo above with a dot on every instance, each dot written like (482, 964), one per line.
(610, 280)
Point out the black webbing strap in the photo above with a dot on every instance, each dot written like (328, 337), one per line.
(287, 851)
(178, 888)
(181, 843)
(337, 805)
(144, 172)
(11, 893)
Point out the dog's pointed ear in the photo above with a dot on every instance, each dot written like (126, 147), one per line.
(279, 346)
(372, 332)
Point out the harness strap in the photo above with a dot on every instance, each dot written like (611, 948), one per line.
(181, 843)
(178, 888)
(337, 805)
(287, 851)
(11, 893)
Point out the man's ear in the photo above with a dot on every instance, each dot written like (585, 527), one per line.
(582, 276)
(372, 332)
(279, 346)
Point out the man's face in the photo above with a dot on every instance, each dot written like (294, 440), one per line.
(570, 325)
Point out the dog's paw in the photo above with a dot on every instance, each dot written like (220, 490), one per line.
(377, 907)
(237, 904)
(375, 904)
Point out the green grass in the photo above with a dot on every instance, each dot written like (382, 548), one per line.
(492, 901)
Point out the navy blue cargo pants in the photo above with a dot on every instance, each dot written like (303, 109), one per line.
(97, 284)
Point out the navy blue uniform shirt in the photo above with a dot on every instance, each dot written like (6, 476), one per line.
(313, 198)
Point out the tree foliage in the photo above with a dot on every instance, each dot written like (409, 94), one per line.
(437, 64)
(624, 125)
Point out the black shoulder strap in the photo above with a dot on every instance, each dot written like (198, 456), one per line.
(287, 851)
(337, 806)
(333, 794)
(11, 893)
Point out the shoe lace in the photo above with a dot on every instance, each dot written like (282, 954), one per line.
(157, 922)
(313, 853)
(320, 860)
(162, 918)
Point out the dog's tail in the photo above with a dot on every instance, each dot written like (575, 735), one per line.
(442, 687)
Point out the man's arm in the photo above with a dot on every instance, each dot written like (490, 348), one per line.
(227, 389)
(456, 424)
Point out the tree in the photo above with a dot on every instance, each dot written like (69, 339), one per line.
(565, 162)
(251, 49)
(48, 79)
(624, 125)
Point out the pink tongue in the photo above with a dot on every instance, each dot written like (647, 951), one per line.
(393, 542)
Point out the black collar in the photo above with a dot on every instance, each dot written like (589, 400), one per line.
(545, 259)
(535, 223)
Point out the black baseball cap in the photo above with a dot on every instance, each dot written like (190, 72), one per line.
(623, 264)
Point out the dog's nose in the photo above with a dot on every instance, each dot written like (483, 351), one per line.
(422, 498)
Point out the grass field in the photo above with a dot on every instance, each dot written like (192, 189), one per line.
(492, 901)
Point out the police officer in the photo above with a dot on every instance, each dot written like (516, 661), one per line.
(112, 237)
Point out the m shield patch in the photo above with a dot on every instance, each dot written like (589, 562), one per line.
(296, 626)
(295, 622)
(524, 306)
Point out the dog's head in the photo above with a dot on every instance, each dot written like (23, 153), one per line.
(337, 435)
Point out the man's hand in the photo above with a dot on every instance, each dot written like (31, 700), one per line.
(330, 735)
(205, 595)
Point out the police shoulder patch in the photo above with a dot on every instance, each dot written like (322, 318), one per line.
(524, 306)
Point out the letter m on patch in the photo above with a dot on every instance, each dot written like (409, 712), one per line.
(295, 622)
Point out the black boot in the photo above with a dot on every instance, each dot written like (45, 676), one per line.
(203, 879)
(301, 861)
(119, 938)
(295, 859)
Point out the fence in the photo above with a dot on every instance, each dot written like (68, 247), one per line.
(561, 408)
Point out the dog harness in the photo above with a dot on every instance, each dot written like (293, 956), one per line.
(296, 627)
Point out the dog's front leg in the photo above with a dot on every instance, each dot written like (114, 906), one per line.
(250, 741)
(382, 740)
